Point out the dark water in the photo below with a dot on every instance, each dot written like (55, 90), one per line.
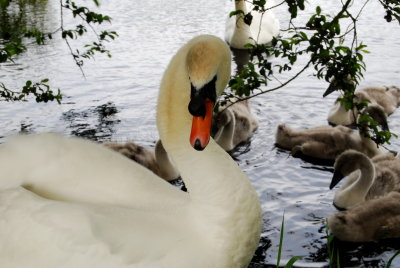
(117, 102)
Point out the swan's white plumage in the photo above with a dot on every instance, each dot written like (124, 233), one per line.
(84, 205)
(261, 30)
(73, 169)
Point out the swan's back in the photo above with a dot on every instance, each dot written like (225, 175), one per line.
(137, 153)
(387, 176)
(371, 220)
(38, 232)
(387, 97)
(73, 169)
(158, 161)
(324, 142)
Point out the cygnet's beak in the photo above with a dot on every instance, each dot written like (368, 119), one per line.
(337, 177)
(201, 126)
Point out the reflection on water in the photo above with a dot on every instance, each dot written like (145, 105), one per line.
(240, 57)
(117, 101)
(365, 254)
(17, 15)
(96, 123)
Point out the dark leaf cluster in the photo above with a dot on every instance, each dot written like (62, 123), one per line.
(392, 8)
(85, 13)
(88, 17)
(40, 90)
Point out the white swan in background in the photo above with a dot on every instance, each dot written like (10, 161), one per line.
(261, 30)
(386, 98)
(83, 205)
(157, 161)
(372, 220)
(235, 124)
(367, 179)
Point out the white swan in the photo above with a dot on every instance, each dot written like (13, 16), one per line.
(367, 179)
(261, 30)
(386, 98)
(157, 161)
(372, 220)
(235, 124)
(113, 212)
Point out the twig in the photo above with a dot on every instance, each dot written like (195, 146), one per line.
(67, 42)
(272, 89)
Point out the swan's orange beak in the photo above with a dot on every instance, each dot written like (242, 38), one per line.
(201, 127)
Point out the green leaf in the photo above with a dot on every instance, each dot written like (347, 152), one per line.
(281, 241)
(248, 18)
(292, 260)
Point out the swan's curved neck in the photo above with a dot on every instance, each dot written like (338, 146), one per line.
(219, 191)
(224, 136)
(204, 170)
(242, 31)
(360, 187)
(241, 5)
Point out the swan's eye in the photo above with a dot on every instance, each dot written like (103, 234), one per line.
(197, 97)
(196, 104)
(210, 90)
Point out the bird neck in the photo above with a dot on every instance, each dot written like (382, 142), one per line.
(366, 178)
(219, 191)
(204, 170)
(242, 33)
(241, 5)
(358, 190)
(224, 136)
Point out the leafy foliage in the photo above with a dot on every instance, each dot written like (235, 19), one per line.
(392, 8)
(90, 18)
(335, 55)
(12, 45)
(41, 90)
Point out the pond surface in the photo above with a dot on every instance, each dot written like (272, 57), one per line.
(117, 102)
